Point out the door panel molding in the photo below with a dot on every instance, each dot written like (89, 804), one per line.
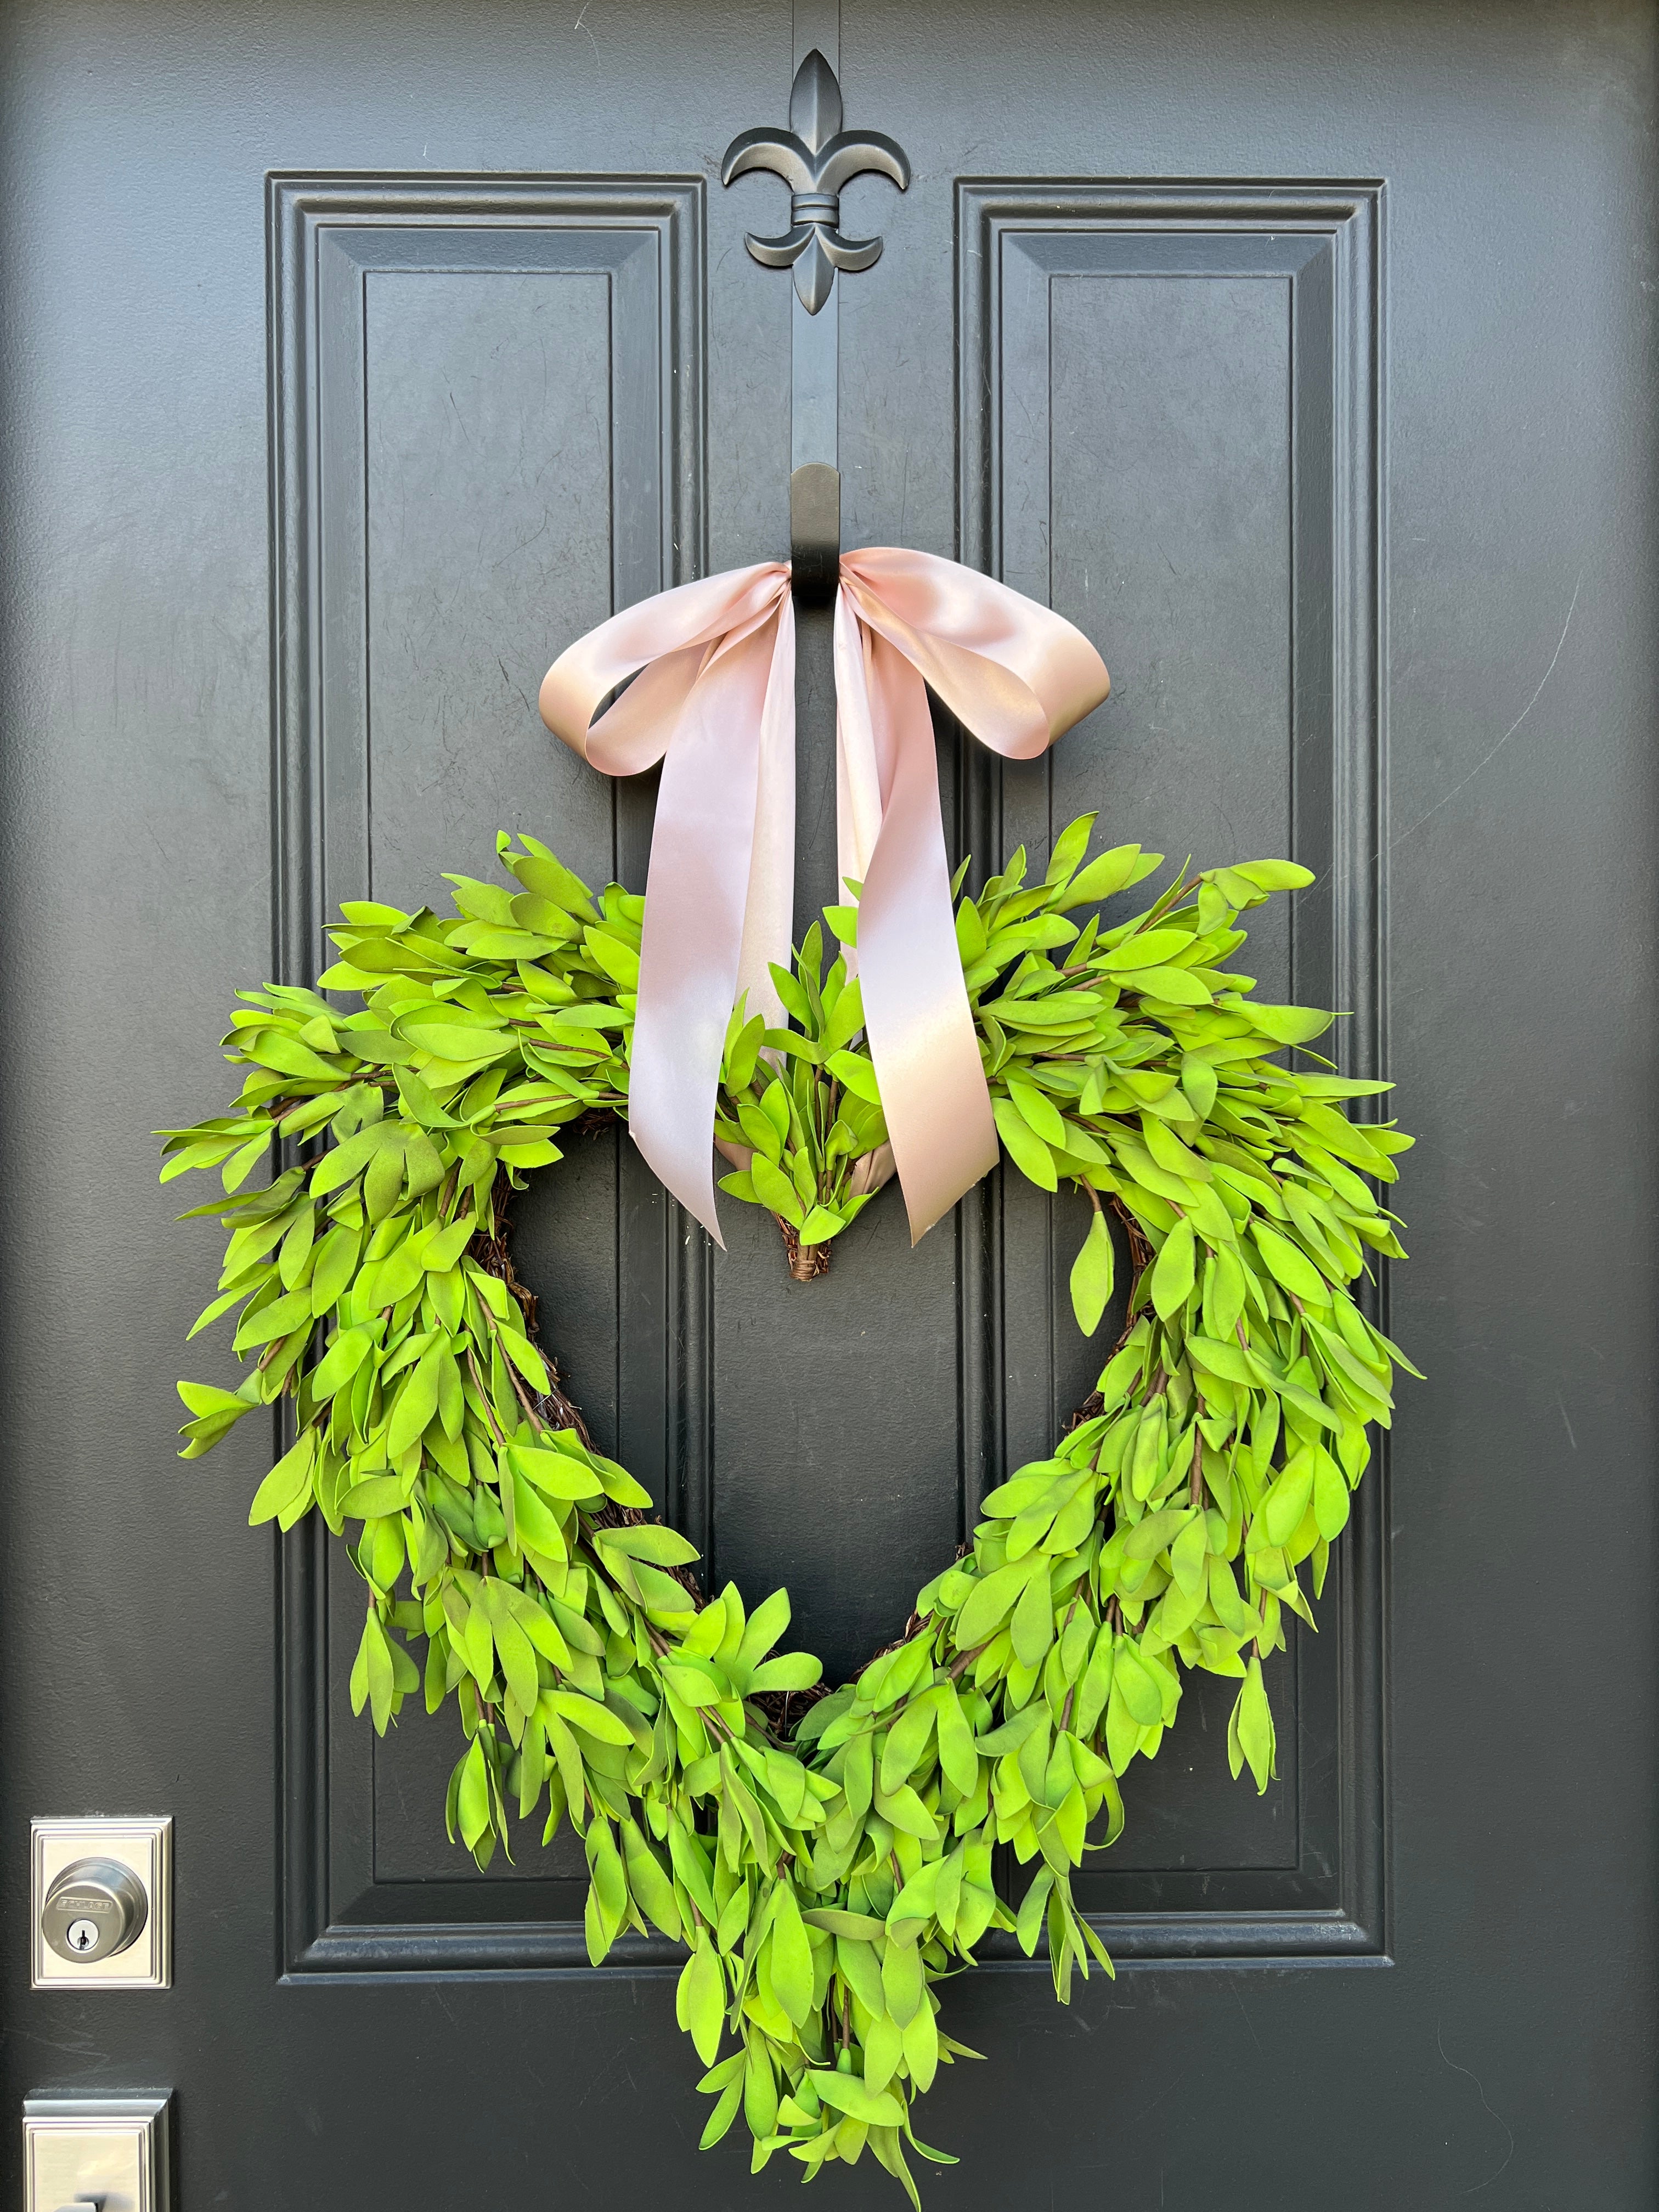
(330, 239)
(1320, 244)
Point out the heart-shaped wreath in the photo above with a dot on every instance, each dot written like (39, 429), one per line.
(826, 1859)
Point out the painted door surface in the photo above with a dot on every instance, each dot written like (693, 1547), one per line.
(358, 358)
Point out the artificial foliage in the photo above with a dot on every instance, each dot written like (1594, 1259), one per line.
(826, 1860)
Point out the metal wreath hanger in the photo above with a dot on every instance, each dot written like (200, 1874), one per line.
(815, 157)
(722, 884)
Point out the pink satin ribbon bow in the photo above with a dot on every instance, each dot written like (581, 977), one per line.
(713, 700)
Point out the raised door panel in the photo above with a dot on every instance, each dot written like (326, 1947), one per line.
(1169, 433)
(488, 424)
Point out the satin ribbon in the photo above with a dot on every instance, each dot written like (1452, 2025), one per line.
(713, 700)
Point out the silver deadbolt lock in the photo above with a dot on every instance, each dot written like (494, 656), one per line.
(100, 1891)
(94, 1908)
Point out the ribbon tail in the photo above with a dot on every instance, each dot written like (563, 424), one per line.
(702, 849)
(921, 1027)
(769, 914)
(859, 792)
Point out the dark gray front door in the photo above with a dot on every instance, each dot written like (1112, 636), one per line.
(358, 359)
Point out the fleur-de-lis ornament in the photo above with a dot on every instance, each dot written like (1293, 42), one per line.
(815, 157)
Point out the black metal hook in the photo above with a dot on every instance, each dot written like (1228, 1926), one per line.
(815, 533)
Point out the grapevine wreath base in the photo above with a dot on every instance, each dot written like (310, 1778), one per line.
(826, 1860)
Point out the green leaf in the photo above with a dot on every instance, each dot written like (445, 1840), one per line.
(764, 1627)
(906, 1741)
(1028, 1926)
(1287, 1501)
(441, 1251)
(846, 1019)
(459, 1039)
(1025, 1148)
(539, 871)
(1230, 1361)
(621, 962)
(385, 1282)
(1145, 948)
(1291, 1266)
(1250, 1734)
(525, 1358)
(1149, 1537)
(760, 2092)
(858, 1927)
(241, 1165)
(726, 2110)
(1091, 1275)
(417, 1401)
(536, 1526)
(846, 2092)
(222, 1305)
(1108, 873)
(1070, 846)
(907, 1812)
(1038, 1111)
(1133, 1680)
(333, 1268)
(607, 1894)
(1096, 1684)
(663, 1547)
(1175, 987)
(692, 1867)
(1033, 1624)
(217, 1412)
(1198, 1081)
(472, 1803)
(1190, 1556)
(795, 1670)
(1172, 1271)
(620, 1485)
(587, 1714)
(280, 1318)
(1286, 1025)
(555, 1472)
(957, 1753)
(651, 1887)
(902, 1981)
(1330, 1496)
(287, 1481)
(700, 2001)
(1274, 875)
(513, 1646)
(340, 1362)
(854, 1073)
(339, 1166)
(758, 1129)
(1223, 1292)
(774, 1190)
(991, 1600)
(372, 1500)
(1012, 1733)
(792, 1955)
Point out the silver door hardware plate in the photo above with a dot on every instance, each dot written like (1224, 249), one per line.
(100, 1899)
(110, 2152)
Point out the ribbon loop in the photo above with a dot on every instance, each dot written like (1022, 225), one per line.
(712, 698)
